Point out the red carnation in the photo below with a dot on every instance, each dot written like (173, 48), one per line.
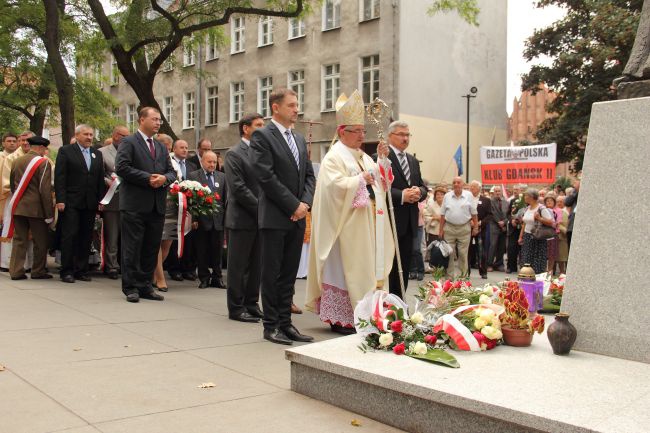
(430, 339)
(447, 286)
(217, 196)
(200, 193)
(396, 326)
(208, 200)
(399, 349)
(491, 344)
(188, 194)
(175, 187)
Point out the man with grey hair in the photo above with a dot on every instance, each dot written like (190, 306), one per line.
(407, 190)
(480, 245)
(79, 187)
(498, 227)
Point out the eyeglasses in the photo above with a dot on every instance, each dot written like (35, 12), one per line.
(402, 134)
(356, 131)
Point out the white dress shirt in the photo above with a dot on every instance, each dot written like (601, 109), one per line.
(458, 210)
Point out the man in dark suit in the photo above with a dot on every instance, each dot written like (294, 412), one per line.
(572, 202)
(144, 166)
(407, 190)
(498, 227)
(203, 146)
(241, 222)
(79, 186)
(286, 177)
(480, 244)
(34, 209)
(208, 240)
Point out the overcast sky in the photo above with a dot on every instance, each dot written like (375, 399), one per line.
(523, 19)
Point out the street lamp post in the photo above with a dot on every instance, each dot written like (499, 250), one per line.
(469, 96)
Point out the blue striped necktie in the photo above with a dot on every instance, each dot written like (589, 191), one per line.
(293, 147)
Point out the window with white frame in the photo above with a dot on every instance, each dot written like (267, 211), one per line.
(330, 86)
(211, 48)
(168, 65)
(168, 109)
(331, 14)
(264, 89)
(189, 106)
(368, 10)
(237, 35)
(211, 105)
(115, 72)
(131, 117)
(236, 101)
(116, 114)
(369, 75)
(296, 82)
(265, 32)
(296, 28)
(188, 55)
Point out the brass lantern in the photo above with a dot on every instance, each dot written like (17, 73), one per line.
(526, 273)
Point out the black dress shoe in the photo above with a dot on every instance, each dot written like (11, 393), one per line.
(84, 277)
(19, 277)
(420, 276)
(42, 277)
(216, 283)
(189, 276)
(256, 312)
(176, 276)
(67, 279)
(244, 317)
(293, 334)
(204, 284)
(276, 336)
(153, 296)
(343, 330)
(112, 275)
(133, 297)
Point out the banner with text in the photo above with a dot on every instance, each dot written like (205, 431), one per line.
(523, 164)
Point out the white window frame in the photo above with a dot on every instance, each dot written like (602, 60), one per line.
(168, 65)
(131, 117)
(114, 73)
(297, 84)
(264, 89)
(211, 49)
(265, 32)
(301, 28)
(189, 55)
(237, 35)
(237, 99)
(374, 7)
(168, 109)
(375, 75)
(335, 6)
(189, 110)
(211, 105)
(335, 78)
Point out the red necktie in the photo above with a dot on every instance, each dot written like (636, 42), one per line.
(152, 149)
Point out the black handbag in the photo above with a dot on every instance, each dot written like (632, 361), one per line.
(542, 231)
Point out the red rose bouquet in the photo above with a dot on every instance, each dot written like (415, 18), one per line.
(201, 201)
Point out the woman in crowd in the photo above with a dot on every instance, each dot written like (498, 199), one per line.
(533, 251)
(431, 215)
(563, 244)
(552, 244)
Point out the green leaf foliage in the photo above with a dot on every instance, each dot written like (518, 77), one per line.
(438, 356)
(468, 10)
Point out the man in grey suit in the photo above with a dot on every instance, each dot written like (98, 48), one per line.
(111, 211)
(498, 227)
(145, 168)
(286, 178)
(241, 221)
(208, 241)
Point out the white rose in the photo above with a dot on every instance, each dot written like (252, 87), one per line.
(491, 332)
(479, 323)
(484, 299)
(417, 318)
(420, 348)
(386, 339)
(488, 290)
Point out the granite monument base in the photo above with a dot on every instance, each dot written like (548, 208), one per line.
(606, 286)
(504, 390)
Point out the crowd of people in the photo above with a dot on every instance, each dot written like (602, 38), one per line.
(265, 188)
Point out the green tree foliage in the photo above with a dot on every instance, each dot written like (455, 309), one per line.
(589, 48)
(467, 9)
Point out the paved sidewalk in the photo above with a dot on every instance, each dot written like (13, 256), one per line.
(79, 359)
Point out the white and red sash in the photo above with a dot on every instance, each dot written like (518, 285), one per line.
(184, 223)
(8, 227)
(115, 183)
(459, 333)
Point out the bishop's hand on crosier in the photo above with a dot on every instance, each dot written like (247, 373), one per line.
(382, 149)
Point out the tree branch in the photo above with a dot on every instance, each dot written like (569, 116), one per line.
(18, 108)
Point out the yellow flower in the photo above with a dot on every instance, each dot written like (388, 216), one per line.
(417, 318)
(491, 332)
(487, 315)
(479, 323)
(484, 299)
(386, 339)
